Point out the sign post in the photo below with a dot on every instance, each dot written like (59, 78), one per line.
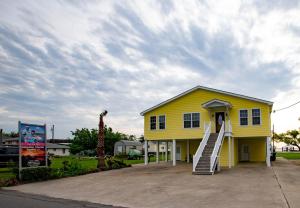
(32, 146)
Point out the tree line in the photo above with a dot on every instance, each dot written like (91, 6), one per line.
(85, 140)
(291, 137)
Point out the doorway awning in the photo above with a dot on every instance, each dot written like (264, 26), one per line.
(215, 103)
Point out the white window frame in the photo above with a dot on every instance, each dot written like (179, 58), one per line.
(244, 117)
(159, 122)
(155, 123)
(191, 113)
(256, 116)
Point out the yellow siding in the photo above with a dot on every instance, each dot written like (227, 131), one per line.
(192, 103)
(257, 148)
(236, 152)
(224, 153)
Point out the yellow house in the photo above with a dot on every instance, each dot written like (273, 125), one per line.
(211, 128)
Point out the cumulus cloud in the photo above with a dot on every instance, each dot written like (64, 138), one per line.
(64, 62)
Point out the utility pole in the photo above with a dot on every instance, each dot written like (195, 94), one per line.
(100, 146)
(1, 141)
(273, 139)
(52, 131)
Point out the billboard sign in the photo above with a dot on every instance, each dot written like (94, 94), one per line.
(32, 145)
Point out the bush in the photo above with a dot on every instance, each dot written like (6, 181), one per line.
(113, 163)
(8, 182)
(36, 174)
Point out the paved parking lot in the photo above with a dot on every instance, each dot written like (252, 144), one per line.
(162, 185)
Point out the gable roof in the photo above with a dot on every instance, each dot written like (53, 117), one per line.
(208, 89)
(130, 143)
(216, 103)
(57, 146)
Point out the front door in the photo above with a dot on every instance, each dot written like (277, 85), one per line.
(220, 117)
(244, 152)
(178, 152)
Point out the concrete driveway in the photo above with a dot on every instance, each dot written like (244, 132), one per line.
(248, 185)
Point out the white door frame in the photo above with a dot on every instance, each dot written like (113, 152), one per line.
(178, 145)
(242, 154)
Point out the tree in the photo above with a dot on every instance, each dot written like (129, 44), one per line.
(141, 139)
(12, 134)
(291, 137)
(86, 140)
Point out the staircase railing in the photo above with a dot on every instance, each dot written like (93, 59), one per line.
(229, 127)
(217, 147)
(201, 147)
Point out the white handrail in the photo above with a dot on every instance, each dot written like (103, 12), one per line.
(218, 143)
(201, 147)
(229, 127)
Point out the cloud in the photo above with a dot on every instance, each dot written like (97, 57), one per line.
(64, 62)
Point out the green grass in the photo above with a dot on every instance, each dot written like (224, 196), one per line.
(289, 155)
(6, 173)
(86, 163)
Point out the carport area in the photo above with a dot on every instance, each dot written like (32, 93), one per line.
(163, 185)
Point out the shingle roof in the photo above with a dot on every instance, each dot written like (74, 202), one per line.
(57, 146)
(130, 143)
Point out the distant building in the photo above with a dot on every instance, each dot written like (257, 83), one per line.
(123, 146)
(10, 140)
(55, 149)
(152, 146)
(58, 149)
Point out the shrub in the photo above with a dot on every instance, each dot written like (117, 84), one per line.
(113, 163)
(8, 182)
(36, 174)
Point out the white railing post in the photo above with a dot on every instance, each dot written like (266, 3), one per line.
(218, 143)
(268, 151)
(201, 147)
(146, 152)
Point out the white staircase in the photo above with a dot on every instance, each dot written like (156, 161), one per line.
(207, 155)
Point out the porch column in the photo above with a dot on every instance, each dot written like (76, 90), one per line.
(188, 151)
(174, 152)
(233, 150)
(166, 151)
(268, 151)
(229, 152)
(146, 152)
(157, 151)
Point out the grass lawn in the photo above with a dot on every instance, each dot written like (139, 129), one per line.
(86, 163)
(6, 173)
(91, 163)
(289, 155)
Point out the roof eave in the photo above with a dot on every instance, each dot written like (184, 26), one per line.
(209, 89)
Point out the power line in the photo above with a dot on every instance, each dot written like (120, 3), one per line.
(286, 107)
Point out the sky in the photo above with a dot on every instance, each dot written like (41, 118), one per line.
(64, 62)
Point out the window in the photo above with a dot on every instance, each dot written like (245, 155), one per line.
(256, 116)
(195, 120)
(187, 120)
(191, 120)
(243, 117)
(153, 122)
(162, 122)
(64, 151)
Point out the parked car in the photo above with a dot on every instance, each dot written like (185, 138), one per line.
(9, 156)
(134, 154)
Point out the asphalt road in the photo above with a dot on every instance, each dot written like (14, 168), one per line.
(14, 199)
